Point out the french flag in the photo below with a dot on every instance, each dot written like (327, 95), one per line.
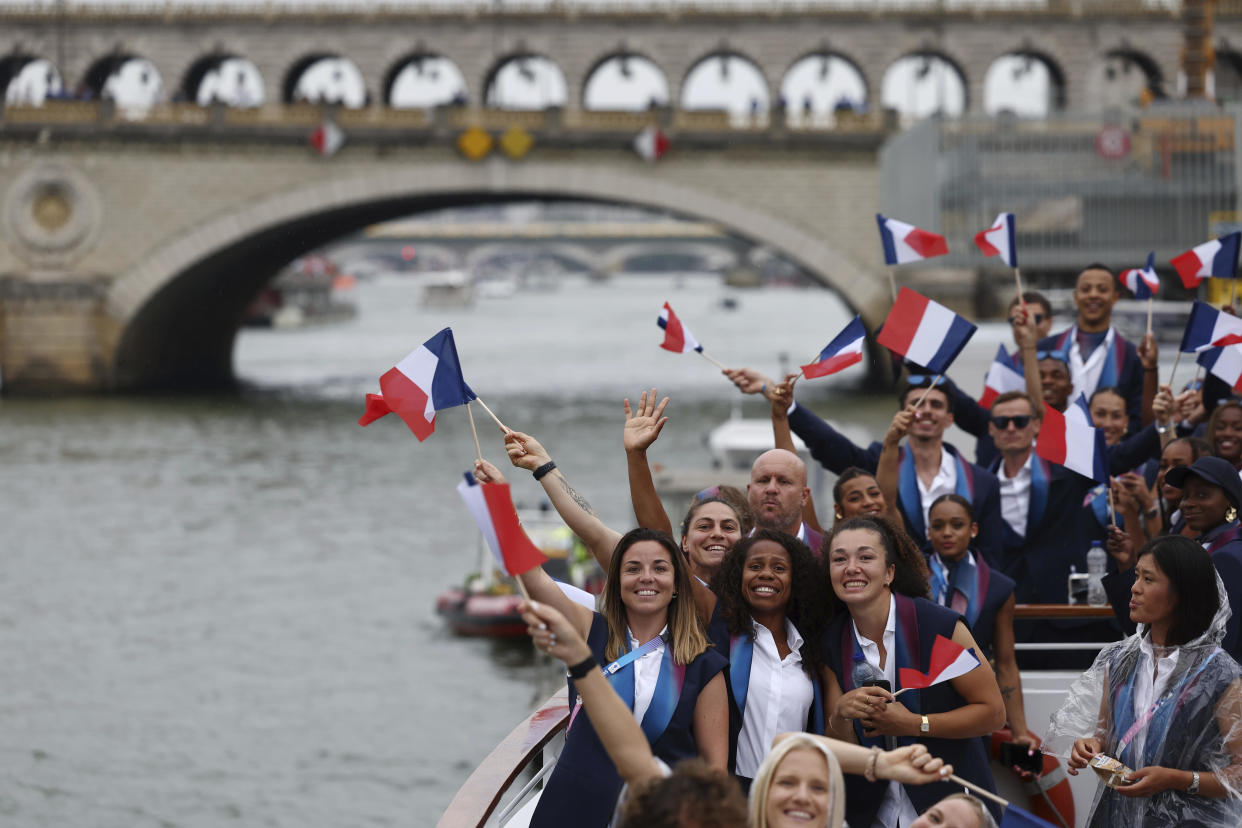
(426, 381)
(677, 337)
(1002, 377)
(844, 350)
(491, 506)
(1216, 259)
(948, 661)
(1210, 328)
(998, 240)
(1143, 283)
(1225, 363)
(926, 333)
(906, 243)
(1071, 440)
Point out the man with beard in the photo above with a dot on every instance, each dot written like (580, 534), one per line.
(776, 493)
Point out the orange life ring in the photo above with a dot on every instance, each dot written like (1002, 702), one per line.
(1052, 783)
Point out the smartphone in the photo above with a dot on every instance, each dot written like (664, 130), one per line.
(881, 683)
(1013, 753)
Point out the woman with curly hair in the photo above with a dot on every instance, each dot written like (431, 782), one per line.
(766, 613)
(888, 624)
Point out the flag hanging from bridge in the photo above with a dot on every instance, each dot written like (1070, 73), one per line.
(327, 138)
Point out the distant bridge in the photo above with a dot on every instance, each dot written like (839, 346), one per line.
(133, 248)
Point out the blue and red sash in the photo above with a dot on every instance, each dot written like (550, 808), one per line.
(907, 652)
(908, 488)
(1156, 719)
(741, 654)
(1220, 536)
(665, 697)
(1114, 358)
(961, 587)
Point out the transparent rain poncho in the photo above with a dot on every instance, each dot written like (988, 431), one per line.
(1197, 726)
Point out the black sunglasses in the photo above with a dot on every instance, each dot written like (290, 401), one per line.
(1019, 421)
(1037, 317)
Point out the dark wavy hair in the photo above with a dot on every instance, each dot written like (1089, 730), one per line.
(1192, 577)
(910, 574)
(807, 601)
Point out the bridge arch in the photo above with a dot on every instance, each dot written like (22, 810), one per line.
(525, 80)
(424, 79)
(28, 79)
(324, 77)
(225, 77)
(924, 82)
(177, 311)
(125, 77)
(1012, 79)
(824, 79)
(625, 80)
(726, 79)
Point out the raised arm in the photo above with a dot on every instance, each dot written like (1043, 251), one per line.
(888, 467)
(780, 396)
(642, 427)
(538, 583)
(525, 452)
(909, 765)
(1028, 345)
(612, 719)
(1149, 357)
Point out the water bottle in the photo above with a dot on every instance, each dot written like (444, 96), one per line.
(1077, 588)
(1097, 563)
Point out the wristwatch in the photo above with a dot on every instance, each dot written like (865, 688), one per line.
(925, 727)
(1194, 783)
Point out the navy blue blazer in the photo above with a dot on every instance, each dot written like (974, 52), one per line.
(584, 785)
(1129, 372)
(968, 756)
(999, 587)
(836, 452)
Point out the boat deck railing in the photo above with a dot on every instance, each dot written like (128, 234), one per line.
(536, 740)
(478, 799)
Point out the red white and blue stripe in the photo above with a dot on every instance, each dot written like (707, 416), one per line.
(1073, 441)
(844, 350)
(906, 243)
(1225, 363)
(926, 333)
(948, 661)
(999, 240)
(1002, 377)
(1216, 259)
(491, 506)
(1210, 328)
(677, 337)
(428, 380)
(1142, 282)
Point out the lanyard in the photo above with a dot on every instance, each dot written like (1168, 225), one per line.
(633, 655)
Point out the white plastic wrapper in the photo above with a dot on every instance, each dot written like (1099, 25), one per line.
(1198, 727)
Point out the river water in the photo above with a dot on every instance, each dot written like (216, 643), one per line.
(218, 610)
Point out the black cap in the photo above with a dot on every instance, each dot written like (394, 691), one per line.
(1212, 470)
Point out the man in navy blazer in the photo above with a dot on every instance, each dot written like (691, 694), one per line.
(929, 466)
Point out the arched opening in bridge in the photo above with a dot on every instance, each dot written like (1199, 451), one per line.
(325, 78)
(28, 80)
(132, 82)
(625, 82)
(1024, 83)
(1124, 77)
(924, 83)
(423, 80)
(525, 81)
(184, 334)
(819, 85)
(726, 81)
(223, 78)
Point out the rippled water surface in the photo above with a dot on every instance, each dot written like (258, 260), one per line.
(219, 610)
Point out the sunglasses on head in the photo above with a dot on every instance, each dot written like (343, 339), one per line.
(1018, 420)
(1059, 356)
(1035, 317)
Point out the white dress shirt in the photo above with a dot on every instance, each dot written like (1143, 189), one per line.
(778, 697)
(646, 673)
(1150, 684)
(896, 809)
(945, 482)
(1015, 495)
(1086, 375)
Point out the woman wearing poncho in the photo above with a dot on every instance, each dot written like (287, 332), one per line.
(1166, 702)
